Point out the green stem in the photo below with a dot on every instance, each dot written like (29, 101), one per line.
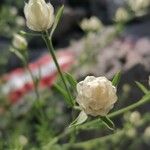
(90, 143)
(37, 104)
(50, 47)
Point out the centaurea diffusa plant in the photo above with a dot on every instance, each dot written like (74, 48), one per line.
(96, 96)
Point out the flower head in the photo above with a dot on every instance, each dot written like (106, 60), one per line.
(121, 15)
(39, 15)
(96, 96)
(93, 24)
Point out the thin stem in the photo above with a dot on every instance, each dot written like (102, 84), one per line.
(35, 84)
(50, 47)
(90, 143)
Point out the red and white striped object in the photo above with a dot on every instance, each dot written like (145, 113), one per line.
(19, 82)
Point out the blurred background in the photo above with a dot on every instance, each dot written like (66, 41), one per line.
(104, 37)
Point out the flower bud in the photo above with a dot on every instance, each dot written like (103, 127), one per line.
(96, 96)
(146, 135)
(20, 21)
(135, 118)
(121, 15)
(19, 42)
(13, 11)
(131, 133)
(39, 15)
(138, 5)
(93, 24)
(23, 140)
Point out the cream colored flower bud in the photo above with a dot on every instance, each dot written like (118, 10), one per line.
(96, 96)
(19, 42)
(121, 15)
(138, 5)
(93, 24)
(20, 21)
(146, 134)
(39, 15)
(131, 133)
(23, 140)
(13, 11)
(135, 118)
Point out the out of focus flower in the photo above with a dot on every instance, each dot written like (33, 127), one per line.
(138, 5)
(20, 21)
(135, 118)
(122, 15)
(96, 96)
(39, 15)
(131, 132)
(92, 24)
(19, 42)
(13, 11)
(23, 140)
(146, 134)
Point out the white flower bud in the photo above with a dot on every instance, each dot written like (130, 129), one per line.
(93, 24)
(131, 133)
(96, 96)
(146, 134)
(121, 15)
(23, 140)
(39, 15)
(20, 21)
(13, 11)
(19, 42)
(138, 5)
(135, 118)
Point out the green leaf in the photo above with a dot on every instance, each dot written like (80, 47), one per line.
(142, 87)
(107, 122)
(57, 19)
(71, 80)
(116, 79)
(79, 120)
(63, 93)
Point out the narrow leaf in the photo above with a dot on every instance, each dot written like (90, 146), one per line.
(107, 122)
(63, 93)
(116, 79)
(71, 80)
(142, 87)
(79, 120)
(57, 19)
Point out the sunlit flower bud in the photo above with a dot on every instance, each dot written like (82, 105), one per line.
(146, 135)
(135, 118)
(121, 15)
(96, 96)
(19, 42)
(93, 24)
(39, 15)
